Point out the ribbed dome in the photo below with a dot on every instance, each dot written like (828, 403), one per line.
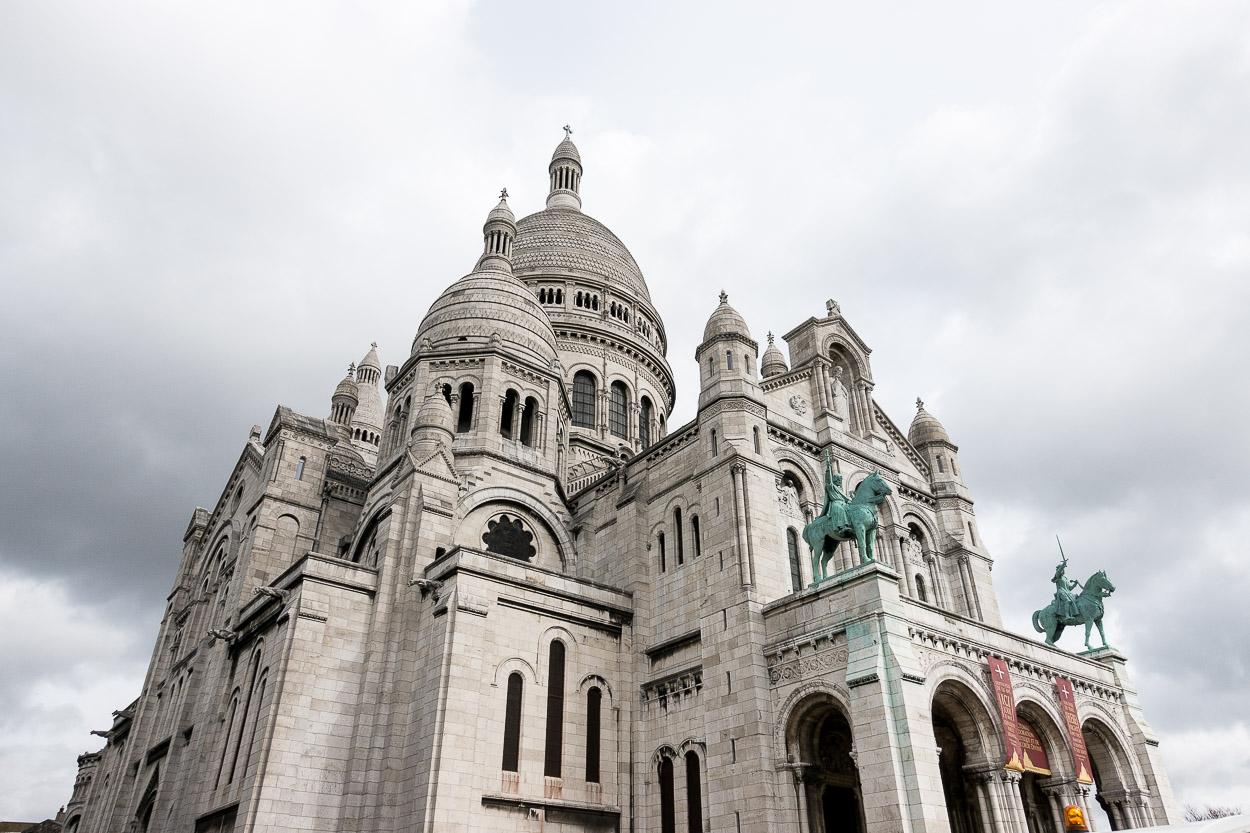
(566, 150)
(925, 428)
(773, 363)
(563, 240)
(481, 304)
(371, 359)
(725, 320)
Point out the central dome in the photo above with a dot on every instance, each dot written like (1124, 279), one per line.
(564, 240)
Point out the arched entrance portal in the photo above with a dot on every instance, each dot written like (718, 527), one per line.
(820, 739)
(967, 753)
(1115, 782)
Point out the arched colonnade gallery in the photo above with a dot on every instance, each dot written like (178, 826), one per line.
(982, 796)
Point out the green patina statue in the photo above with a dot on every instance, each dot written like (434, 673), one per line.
(844, 519)
(1071, 609)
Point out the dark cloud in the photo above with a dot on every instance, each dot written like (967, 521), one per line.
(1035, 216)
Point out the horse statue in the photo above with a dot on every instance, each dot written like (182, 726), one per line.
(824, 534)
(1088, 611)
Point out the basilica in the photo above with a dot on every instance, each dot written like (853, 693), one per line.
(492, 588)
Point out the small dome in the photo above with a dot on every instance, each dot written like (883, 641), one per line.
(502, 211)
(567, 150)
(347, 387)
(773, 362)
(488, 305)
(435, 412)
(925, 428)
(725, 320)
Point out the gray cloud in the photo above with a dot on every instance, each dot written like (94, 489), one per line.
(1035, 216)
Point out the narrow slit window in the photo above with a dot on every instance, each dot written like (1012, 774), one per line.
(594, 702)
(553, 759)
(512, 724)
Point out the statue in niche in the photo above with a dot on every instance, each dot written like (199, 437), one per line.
(509, 537)
(789, 496)
(913, 550)
(841, 399)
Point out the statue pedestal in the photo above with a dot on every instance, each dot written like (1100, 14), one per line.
(855, 574)
(1110, 656)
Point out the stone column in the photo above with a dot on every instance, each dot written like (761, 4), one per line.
(517, 407)
(821, 375)
(800, 793)
(1082, 801)
(989, 814)
(1009, 783)
(740, 516)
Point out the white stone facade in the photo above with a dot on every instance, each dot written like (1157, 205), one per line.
(506, 597)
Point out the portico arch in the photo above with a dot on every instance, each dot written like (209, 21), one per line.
(1116, 783)
(1043, 796)
(819, 740)
(969, 753)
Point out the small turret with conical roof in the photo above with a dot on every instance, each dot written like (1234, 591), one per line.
(566, 175)
(932, 441)
(366, 421)
(772, 363)
(728, 355)
(344, 401)
(499, 234)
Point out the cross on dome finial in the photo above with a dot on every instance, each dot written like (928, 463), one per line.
(919, 404)
(724, 298)
(503, 195)
(770, 336)
(568, 131)
(373, 344)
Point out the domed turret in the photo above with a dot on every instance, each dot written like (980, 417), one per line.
(566, 175)
(925, 428)
(499, 234)
(773, 363)
(489, 306)
(726, 321)
(727, 357)
(344, 401)
(932, 441)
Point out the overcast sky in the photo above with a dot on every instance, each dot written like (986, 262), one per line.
(1038, 216)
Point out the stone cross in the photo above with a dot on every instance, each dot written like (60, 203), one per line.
(724, 298)
(770, 337)
(503, 195)
(919, 404)
(833, 308)
(568, 131)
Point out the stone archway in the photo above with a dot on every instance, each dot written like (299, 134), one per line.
(820, 740)
(969, 758)
(1115, 782)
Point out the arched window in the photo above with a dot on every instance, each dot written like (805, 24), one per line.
(694, 535)
(920, 588)
(756, 433)
(299, 468)
(617, 410)
(447, 393)
(796, 570)
(512, 724)
(681, 551)
(668, 810)
(594, 700)
(584, 399)
(464, 420)
(505, 416)
(527, 420)
(714, 448)
(729, 360)
(711, 366)
(663, 566)
(555, 711)
(694, 794)
(644, 421)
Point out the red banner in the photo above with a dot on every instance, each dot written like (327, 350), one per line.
(1007, 711)
(1080, 757)
(1035, 759)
